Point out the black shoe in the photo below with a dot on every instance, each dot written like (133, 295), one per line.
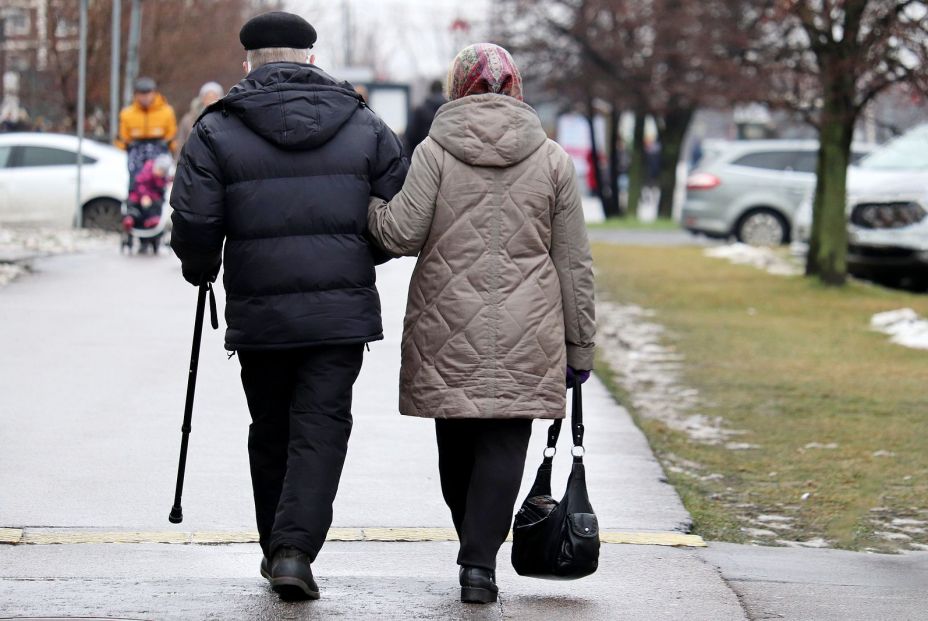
(291, 576)
(264, 570)
(478, 585)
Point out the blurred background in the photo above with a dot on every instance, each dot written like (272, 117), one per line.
(702, 116)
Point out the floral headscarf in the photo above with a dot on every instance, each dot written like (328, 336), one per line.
(484, 68)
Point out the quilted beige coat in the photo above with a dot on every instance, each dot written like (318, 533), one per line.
(501, 299)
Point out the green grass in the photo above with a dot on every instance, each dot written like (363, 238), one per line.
(791, 363)
(634, 224)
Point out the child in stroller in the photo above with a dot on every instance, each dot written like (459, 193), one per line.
(145, 204)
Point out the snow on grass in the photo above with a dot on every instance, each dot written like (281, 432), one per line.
(762, 258)
(19, 245)
(49, 240)
(904, 326)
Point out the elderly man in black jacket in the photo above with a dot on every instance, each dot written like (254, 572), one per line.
(281, 170)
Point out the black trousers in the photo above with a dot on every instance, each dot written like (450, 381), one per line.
(300, 403)
(480, 463)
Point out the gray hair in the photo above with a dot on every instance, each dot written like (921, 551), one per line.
(265, 55)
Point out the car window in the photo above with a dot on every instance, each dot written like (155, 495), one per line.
(5, 156)
(907, 152)
(48, 156)
(802, 161)
(768, 160)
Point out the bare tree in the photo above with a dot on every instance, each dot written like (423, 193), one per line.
(181, 47)
(664, 58)
(829, 59)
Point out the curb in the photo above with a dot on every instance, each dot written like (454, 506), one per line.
(70, 536)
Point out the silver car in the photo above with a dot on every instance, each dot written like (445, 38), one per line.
(751, 189)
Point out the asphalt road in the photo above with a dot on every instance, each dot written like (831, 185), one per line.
(92, 378)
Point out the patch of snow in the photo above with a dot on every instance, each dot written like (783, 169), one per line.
(816, 542)
(904, 326)
(883, 453)
(741, 446)
(20, 244)
(775, 518)
(819, 445)
(762, 258)
(651, 373)
(10, 272)
(758, 532)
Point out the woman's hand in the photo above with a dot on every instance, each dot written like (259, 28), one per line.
(576, 376)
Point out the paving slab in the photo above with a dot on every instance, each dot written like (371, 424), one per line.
(358, 581)
(96, 348)
(825, 585)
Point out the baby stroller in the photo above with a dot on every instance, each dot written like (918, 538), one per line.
(144, 213)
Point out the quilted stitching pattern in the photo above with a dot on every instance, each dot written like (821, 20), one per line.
(484, 330)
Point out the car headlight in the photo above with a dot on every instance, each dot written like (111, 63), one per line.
(887, 215)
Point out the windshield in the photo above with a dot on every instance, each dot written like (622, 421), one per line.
(907, 152)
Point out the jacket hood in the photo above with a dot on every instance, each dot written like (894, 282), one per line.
(488, 130)
(292, 105)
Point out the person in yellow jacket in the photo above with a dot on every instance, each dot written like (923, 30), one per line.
(148, 118)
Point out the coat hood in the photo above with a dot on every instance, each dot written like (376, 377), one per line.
(488, 130)
(292, 105)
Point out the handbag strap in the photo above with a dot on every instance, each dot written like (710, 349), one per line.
(576, 425)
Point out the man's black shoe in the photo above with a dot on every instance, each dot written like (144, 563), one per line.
(291, 576)
(478, 585)
(265, 573)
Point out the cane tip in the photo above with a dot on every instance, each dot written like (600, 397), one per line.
(177, 515)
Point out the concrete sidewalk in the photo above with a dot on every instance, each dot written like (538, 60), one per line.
(93, 377)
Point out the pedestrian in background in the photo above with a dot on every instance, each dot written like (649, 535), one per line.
(501, 301)
(148, 119)
(422, 117)
(210, 93)
(281, 169)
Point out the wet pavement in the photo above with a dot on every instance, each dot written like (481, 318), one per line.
(95, 357)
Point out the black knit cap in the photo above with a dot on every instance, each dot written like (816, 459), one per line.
(277, 29)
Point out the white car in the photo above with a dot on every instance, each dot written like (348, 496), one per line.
(38, 180)
(887, 210)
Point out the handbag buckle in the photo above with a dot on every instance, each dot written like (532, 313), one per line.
(549, 452)
(577, 451)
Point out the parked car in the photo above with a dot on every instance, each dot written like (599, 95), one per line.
(887, 210)
(751, 189)
(38, 180)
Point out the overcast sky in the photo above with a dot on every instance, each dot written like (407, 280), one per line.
(405, 39)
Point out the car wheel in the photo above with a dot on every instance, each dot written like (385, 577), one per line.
(103, 213)
(762, 227)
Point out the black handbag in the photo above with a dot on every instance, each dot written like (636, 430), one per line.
(551, 539)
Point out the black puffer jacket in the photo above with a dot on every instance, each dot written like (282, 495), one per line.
(282, 169)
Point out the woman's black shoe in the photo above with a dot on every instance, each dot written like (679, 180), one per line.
(291, 575)
(265, 572)
(478, 585)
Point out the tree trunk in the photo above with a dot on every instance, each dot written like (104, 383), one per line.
(636, 166)
(612, 207)
(594, 157)
(828, 245)
(827, 257)
(671, 134)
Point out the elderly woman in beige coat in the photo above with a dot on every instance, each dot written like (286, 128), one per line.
(501, 301)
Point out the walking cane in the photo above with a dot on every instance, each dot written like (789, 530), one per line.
(177, 513)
